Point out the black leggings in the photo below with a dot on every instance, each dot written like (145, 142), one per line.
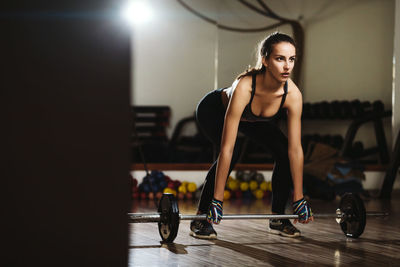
(210, 114)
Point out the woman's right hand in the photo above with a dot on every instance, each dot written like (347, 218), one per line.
(215, 213)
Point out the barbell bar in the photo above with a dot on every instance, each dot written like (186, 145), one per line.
(351, 216)
(155, 217)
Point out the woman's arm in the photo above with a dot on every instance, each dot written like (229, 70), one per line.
(294, 104)
(237, 103)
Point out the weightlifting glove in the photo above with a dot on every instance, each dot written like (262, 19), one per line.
(215, 212)
(303, 209)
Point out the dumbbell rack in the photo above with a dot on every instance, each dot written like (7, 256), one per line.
(381, 147)
(360, 113)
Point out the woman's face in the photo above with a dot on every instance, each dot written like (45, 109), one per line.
(281, 61)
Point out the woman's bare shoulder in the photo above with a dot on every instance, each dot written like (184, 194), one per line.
(294, 95)
(293, 90)
(241, 94)
(244, 85)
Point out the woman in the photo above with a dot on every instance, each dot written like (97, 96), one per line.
(251, 106)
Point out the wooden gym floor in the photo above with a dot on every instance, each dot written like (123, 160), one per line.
(247, 242)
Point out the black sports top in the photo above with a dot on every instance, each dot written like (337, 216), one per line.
(248, 115)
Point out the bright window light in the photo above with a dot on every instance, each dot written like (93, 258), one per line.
(137, 12)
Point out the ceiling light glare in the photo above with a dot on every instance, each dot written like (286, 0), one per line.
(137, 12)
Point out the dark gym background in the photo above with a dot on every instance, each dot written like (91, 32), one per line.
(65, 77)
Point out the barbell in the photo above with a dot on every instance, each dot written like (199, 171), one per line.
(351, 216)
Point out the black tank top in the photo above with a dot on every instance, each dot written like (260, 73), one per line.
(248, 115)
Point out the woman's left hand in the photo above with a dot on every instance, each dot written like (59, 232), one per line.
(303, 210)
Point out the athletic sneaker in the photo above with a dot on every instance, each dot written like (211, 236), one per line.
(202, 229)
(283, 227)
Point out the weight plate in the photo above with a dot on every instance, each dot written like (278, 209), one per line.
(169, 218)
(354, 219)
